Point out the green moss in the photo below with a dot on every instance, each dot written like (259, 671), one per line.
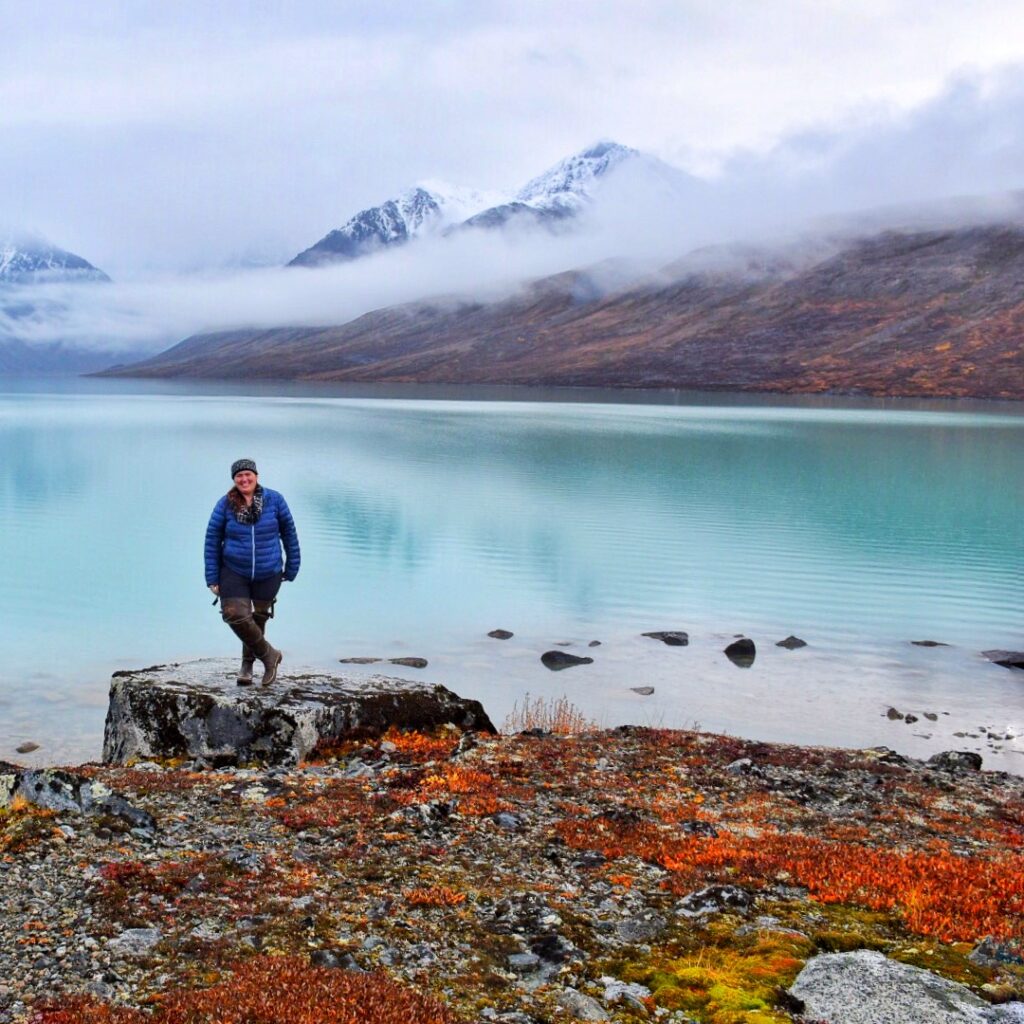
(728, 979)
(948, 961)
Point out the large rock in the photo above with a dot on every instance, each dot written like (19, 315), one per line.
(865, 987)
(196, 710)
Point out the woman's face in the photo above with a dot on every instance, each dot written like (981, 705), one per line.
(245, 481)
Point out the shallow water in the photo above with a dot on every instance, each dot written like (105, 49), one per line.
(430, 516)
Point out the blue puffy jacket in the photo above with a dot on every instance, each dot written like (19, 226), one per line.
(253, 551)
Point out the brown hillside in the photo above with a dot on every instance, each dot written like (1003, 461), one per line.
(926, 314)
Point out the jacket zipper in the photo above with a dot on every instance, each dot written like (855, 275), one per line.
(253, 575)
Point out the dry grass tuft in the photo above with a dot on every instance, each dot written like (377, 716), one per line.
(557, 716)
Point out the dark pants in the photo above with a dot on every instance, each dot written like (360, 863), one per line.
(234, 586)
(246, 606)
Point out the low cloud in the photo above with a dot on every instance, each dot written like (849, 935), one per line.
(954, 159)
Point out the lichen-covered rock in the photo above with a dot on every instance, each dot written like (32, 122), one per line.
(715, 899)
(55, 789)
(956, 760)
(865, 987)
(196, 710)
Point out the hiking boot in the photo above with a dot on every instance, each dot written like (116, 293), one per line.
(244, 677)
(260, 615)
(271, 658)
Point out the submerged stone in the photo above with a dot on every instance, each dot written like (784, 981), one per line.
(741, 652)
(1008, 659)
(195, 710)
(501, 634)
(672, 637)
(791, 643)
(557, 660)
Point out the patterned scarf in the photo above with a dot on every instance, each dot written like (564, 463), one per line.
(246, 514)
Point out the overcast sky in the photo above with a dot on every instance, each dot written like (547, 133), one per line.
(162, 137)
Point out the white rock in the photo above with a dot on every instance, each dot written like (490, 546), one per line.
(580, 1005)
(865, 987)
(135, 941)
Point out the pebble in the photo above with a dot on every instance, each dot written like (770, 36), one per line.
(370, 923)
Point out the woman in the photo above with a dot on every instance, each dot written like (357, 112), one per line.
(244, 566)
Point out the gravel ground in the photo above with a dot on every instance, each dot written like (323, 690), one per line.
(525, 878)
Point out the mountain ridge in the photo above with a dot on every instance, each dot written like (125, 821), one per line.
(549, 200)
(25, 261)
(926, 313)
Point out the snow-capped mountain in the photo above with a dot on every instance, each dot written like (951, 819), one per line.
(24, 261)
(428, 208)
(550, 201)
(574, 180)
(561, 192)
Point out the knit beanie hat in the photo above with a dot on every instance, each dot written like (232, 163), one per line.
(241, 465)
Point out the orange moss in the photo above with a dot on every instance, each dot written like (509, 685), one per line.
(413, 745)
(477, 793)
(337, 802)
(954, 898)
(434, 896)
(420, 746)
(270, 990)
(84, 1010)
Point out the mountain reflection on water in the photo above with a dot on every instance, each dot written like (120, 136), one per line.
(427, 521)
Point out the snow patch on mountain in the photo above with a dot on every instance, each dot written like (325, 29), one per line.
(24, 261)
(551, 200)
(427, 208)
(459, 202)
(572, 182)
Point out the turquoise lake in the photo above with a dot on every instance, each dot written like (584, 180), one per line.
(428, 517)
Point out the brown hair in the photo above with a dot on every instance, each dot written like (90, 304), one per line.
(235, 499)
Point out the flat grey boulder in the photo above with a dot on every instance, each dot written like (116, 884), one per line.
(865, 987)
(196, 710)
(671, 637)
(55, 789)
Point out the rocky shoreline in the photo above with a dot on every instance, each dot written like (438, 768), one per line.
(627, 875)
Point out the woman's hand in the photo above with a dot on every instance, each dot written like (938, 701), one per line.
(214, 589)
